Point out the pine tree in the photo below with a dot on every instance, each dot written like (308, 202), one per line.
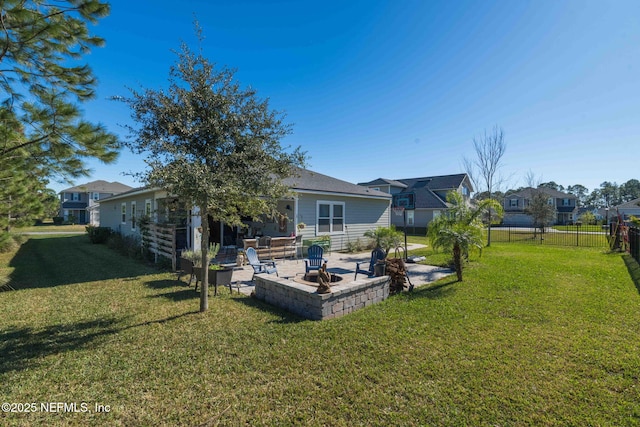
(42, 133)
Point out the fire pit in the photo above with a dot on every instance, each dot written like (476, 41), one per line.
(301, 297)
(311, 278)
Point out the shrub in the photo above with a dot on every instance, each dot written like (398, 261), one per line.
(385, 237)
(9, 242)
(58, 220)
(98, 234)
(354, 246)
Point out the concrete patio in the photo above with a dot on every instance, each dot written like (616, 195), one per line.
(419, 274)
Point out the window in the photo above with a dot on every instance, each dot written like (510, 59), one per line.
(550, 201)
(410, 217)
(147, 208)
(330, 217)
(465, 191)
(566, 202)
(75, 197)
(133, 215)
(123, 213)
(513, 203)
(96, 196)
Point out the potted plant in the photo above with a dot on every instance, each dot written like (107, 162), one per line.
(218, 274)
(188, 259)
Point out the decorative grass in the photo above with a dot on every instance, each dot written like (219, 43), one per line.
(535, 335)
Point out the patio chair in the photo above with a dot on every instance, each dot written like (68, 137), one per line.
(314, 258)
(259, 267)
(376, 255)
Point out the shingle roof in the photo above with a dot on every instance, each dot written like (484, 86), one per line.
(632, 204)
(443, 182)
(306, 180)
(314, 181)
(526, 193)
(384, 181)
(425, 188)
(99, 186)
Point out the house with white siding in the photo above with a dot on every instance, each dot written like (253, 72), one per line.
(328, 207)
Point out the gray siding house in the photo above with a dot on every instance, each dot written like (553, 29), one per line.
(515, 203)
(429, 194)
(327, 206)
(626, 210)
(80, 203)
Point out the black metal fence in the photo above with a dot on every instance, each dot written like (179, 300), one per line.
(569, 235)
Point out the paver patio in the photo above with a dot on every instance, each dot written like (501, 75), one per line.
(345, 264)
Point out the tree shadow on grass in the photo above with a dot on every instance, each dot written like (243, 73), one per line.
(22, 348)
(441, 289)
(285, 316)
(62, 260)
(183, 291)
(634, 269)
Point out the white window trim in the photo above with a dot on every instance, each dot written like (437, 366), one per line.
(511, 203)
(410, 217)
(133, 216)
(123, 213)
(148, 208)
(331, 203)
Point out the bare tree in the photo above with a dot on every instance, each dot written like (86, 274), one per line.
(483, 170)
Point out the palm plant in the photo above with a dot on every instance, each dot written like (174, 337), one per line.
(461, 228)
(385, 237)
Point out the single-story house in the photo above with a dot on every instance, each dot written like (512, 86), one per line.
(515, 203)
(79, 203)
(328, 207)
(427, 194)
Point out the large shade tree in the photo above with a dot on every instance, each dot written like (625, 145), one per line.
(461, 228)
(213, 143)
(42, 81)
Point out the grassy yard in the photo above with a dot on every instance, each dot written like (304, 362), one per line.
(50, 227)
(535, 335)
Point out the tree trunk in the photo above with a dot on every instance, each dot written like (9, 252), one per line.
(204, 247)
(457, 261)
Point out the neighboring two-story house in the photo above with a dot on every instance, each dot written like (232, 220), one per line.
(429, 195)
(79, 203)
(565, 205)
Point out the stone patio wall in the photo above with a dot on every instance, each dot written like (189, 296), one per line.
(304, 300)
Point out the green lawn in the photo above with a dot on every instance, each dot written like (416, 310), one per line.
(535, 335)
(49, 227)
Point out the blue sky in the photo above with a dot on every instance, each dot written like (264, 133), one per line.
(399, 89)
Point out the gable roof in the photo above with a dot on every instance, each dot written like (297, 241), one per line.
(99, 186)
(526, 193)
(384, 181)
(632, 204)
(435, 183)
(425, 188)
(303, 180)
(306, 180)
